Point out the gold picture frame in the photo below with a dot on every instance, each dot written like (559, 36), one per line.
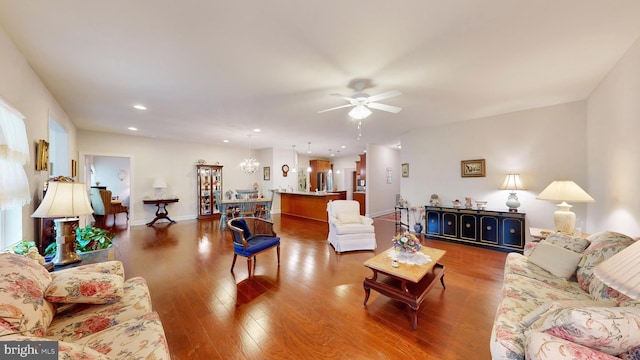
(74, 168)
(473, 168)
(42, 156)
(405, 170)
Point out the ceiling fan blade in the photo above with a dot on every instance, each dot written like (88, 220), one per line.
(383, 107)
(384, 95)
(335, 108)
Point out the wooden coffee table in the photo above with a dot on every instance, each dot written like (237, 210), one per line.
(406, 283)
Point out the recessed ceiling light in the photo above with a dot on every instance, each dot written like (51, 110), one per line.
(225, 141)
(132, 128)
(256, 130)
(343, 147)
(140, 107)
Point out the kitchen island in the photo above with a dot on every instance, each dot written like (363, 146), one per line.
(308, 205)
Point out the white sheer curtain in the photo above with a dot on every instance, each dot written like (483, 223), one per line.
(14, 154)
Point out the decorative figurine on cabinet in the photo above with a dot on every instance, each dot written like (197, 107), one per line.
(456, 203)
(467, 203)
(435, 200)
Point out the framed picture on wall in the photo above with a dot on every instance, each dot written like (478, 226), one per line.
(42, 156)
(266, 173)
(473, 168)
(405, 170)
(74, 168)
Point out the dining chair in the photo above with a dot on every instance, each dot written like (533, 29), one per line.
(252, 236)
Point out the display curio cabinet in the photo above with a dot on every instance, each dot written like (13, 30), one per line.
(209, 179)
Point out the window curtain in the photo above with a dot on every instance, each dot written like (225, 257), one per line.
(14, 154)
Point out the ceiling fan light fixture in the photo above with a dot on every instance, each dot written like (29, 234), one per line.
(359, 112)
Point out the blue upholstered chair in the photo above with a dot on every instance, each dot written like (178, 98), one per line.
(252, 236)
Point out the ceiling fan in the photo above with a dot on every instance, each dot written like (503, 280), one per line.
(362, 103)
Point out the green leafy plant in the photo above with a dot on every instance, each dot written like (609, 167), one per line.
(88, 238)
(23, 247)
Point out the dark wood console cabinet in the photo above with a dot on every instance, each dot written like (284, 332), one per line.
(498, 230)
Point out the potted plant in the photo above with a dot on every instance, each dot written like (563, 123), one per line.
(89, 238)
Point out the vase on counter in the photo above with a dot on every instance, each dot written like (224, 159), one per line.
(417, 227)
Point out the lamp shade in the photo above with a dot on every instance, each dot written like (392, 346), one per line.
(64, 199)
(622, 271)
(564, 191)
(159, 183)
(512, 182)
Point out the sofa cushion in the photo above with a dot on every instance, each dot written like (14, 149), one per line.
(633, 354)
(349, 218)
(541, 346)
(22, 303)
(555, 259)
(114, 267)
(138, 338)
(75, 321)
(343, 229)
(541, 312)
(86, 288)
(603, 246)
(573, 243)
(612, 330)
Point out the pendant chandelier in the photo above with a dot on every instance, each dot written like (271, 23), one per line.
(249, 165)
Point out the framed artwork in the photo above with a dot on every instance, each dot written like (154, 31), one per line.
(42, 156)
(74, 168)
(266, 173)
(405, 170)
(473, 168)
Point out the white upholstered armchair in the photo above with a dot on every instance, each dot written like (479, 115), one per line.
(348, 230)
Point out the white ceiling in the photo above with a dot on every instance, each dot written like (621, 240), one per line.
(214, 70)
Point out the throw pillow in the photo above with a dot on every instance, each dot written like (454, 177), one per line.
(612, 330)
(541, 346)
(573, 243)
(555, 259)
(603, 246)
(349, 218)
(85, 288)
(633, 354)
(541, 312)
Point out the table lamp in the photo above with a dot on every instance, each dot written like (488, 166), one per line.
(159, 184)
(512, 182)
(564, 191)
(621, 271)
(68, 200)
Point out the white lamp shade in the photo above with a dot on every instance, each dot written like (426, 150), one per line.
(64, 199)
(512, 182)
(564, 191)
(622, 271)
(159, 183)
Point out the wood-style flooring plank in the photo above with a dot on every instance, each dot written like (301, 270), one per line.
(311, 306)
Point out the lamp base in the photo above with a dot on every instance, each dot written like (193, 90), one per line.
(512, 202)
(66, 242)
(564, 218)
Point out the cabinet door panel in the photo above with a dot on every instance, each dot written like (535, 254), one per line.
(489, 229)
(433, 222)
(512, 233)
(468, 227)
(449, 224)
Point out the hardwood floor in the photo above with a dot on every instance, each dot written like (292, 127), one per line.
(311, 306)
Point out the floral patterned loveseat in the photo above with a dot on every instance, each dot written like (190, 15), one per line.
(553, 307)
(90, 310)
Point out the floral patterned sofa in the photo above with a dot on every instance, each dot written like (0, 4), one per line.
(553, 307)
(90, 310)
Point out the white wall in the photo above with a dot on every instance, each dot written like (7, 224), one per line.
(381, 196)
(107, 170)
(542, 145)
(22, 89)
(613, 127)
(175, 160)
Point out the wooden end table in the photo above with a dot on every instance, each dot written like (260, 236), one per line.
(161, 212)
(406, 283)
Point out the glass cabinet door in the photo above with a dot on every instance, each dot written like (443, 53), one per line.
(209, 178)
